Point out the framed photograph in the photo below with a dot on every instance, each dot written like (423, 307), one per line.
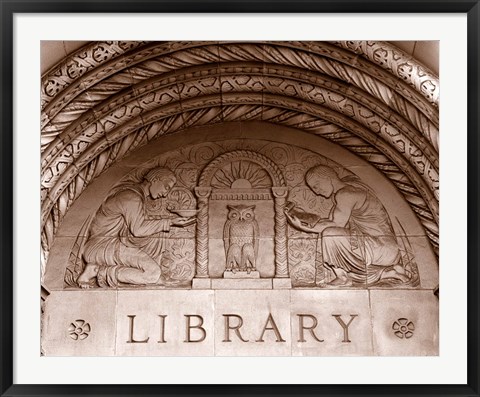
(239, 198)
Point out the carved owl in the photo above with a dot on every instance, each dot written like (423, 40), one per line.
(240, 237)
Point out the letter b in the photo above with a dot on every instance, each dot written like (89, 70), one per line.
(188, 338)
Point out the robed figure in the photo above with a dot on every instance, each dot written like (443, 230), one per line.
(358, 241)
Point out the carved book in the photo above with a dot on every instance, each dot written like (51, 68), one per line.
(307, 219)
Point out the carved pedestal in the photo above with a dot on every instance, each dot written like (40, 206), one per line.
(244, 283)
(238, 275)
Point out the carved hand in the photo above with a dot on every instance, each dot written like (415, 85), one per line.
(296, 223)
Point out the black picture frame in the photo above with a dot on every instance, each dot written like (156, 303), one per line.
(7, 201)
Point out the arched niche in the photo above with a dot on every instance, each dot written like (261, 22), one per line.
(233, 138)
(243, 176)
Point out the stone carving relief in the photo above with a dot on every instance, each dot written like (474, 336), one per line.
(403, 328)
(242, 209)
(245, 182)
(302, 258)
(398, 63)
(126, 240)
(240, 236)
(354, 93)
(357, 240)
(79, 330)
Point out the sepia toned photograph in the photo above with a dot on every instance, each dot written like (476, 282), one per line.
(239, 198)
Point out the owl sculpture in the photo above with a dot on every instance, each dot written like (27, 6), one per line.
(240, 236)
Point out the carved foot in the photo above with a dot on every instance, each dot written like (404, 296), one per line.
(89, 273)
(342, 279)
(341, 282)
(397, 272)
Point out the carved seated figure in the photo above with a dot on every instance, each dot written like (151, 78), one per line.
(358, 241)
(122, 246)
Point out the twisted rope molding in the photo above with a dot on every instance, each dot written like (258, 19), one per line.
(201, 248)
(281, 252)
(69, 171)
(208, 80)
(96, 54)
(90, 135)
(398, 63)
(142, 111)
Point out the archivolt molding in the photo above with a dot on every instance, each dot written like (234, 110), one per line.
(155, 60)
(109, 99)
(425, 182)
(333, 106)
(72, 68)
(397, 62)
(98, 54)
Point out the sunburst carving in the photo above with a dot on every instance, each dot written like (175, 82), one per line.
(241, 175)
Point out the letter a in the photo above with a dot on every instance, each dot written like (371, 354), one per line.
(273, 328)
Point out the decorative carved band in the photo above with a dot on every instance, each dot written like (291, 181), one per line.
(102, 56)
(253, 195)
(397, 62)
(87, 58)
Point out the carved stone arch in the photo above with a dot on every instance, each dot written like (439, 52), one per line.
(110, 98)
(273, 170)
(63, 80)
